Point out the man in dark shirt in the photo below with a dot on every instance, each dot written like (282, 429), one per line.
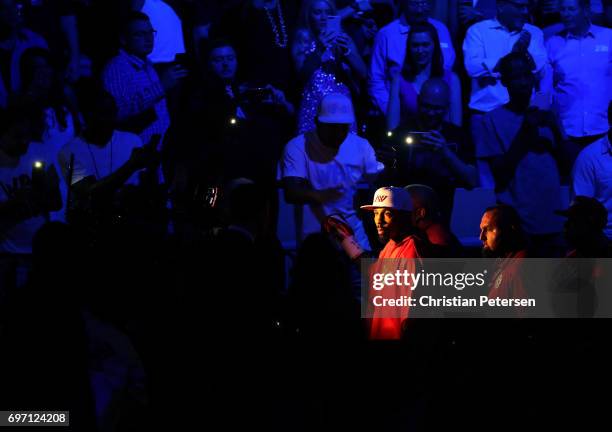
(237, 128)
(584, 229)
(427, 218)
(430, 151)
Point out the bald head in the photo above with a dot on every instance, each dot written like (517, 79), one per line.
(435, 91)
(423, 196)
(425, 202)
(434, 103)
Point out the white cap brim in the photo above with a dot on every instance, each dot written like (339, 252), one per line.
(374, 207)
(371, 207)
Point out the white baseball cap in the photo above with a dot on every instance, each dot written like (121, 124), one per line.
(336, 108)
(391, 197)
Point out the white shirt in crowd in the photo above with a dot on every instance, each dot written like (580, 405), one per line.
(18, 239)
(485, 43)
(596, 5)
(169, 37)
(592, 175)
(582, 80)
(305, 157)
(390, 48)
(99, 162)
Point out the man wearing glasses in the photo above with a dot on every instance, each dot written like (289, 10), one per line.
(140, 93)
(169, 37)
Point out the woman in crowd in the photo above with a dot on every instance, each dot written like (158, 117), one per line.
(326, 59)
(423, 61)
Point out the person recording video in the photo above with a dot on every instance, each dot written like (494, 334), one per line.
(326, 60)
(30, 192)
(428, 150)
(230, 128)
(223, 72)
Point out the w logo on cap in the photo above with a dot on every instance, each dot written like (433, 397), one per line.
(391, 197)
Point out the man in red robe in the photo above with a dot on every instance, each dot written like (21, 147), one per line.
(392, 207)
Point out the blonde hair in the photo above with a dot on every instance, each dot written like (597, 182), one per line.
(304, 19)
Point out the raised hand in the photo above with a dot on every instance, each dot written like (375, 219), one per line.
(434, 141)
(172, 76)
(523, 42)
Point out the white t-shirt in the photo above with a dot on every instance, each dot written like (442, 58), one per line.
(169, 38)
(18, 239)
(305, 157)
(99, 162)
